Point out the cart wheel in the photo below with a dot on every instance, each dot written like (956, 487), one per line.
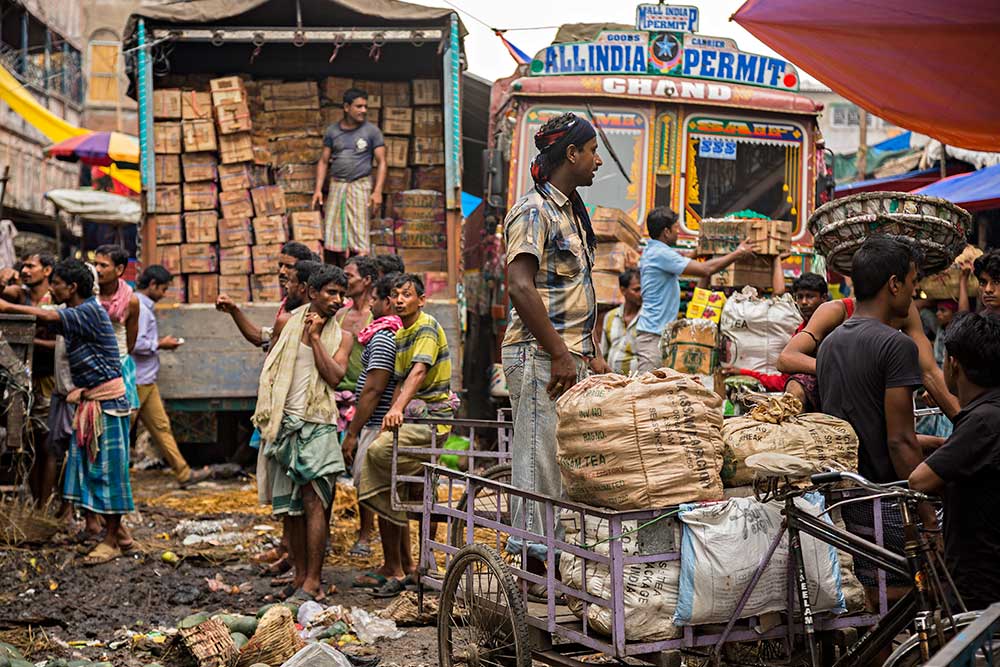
(487, 502)
(481, 621)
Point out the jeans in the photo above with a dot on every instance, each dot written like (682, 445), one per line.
(534, 466)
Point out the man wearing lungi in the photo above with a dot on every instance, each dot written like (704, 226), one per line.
(297, 417)
(97, 478)
(349, 149)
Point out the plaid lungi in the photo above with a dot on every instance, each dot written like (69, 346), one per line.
(128, 376)
(102, 486)
(303, 453)
(346, 221)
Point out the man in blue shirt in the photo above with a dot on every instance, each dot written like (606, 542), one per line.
(659, 270)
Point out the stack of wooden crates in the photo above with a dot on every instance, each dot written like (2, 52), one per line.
(618, 238)
(721, 236)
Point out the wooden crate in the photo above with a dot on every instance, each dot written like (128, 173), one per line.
(396, 94)
(307, 225)
(268, 200)
(170, 257)
(201, 227)
(167, 103)
(202, 288)
(288, 104)
(235, 176)
(269, 229)
(289, 90)
(429, 178)
(201, 196)
(612, 224)
(234, 232)
(265, 288)
(373, 92)
(167, 137)
(428, 122)
(334, 88)
(615, 257)
(722, 236)
(297, 150)
(397, 120)
(226, 83)
(236, 204)
(605, 288)
(260, 150)
(419, 260)
(177, 292)
(397, 151)
(427, 151)
(199, 258)
(398, 179)
(168, 228)
(167, 168)
(265, 257)
(234, 117)
(296, 178)
(236, 287)
(427, 91)
(235, 261)
(754, 271)
(196, 105)
(199, 135)
(291, 120)
(227, 90)
(298, 202)
(168, 198)
(331, 115)
(236, 148)
(200, 166)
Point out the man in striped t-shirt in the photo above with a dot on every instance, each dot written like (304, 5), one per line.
(423, 369)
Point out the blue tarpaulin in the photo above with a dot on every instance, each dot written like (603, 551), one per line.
(975, 191)
(899, 182)
(469, 204)
(897, 143)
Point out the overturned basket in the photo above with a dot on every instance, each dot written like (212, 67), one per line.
(274, 641)
(939, 227)
(210, 644)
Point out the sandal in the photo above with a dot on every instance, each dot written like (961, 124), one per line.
(390, 589)
(360, 550)
(374, 581)
(286, 592)
(101, 554)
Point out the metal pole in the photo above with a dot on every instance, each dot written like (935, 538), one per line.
(145, 82)
(24, 43)
(944, 161)
(862, 160)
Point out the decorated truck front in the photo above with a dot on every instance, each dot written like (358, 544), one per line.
(685, 121)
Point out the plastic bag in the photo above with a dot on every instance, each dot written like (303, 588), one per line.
(318, 655)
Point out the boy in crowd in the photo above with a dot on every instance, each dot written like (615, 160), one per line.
(987, 271)
(297, 416)
(122, 307)
(966, 469)
(618, 332)
(97, 476)
(151, 287)
(375, 389)
(423, 373)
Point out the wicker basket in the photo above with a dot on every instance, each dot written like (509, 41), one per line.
(939, 227)
(210, 644)
(275, 640)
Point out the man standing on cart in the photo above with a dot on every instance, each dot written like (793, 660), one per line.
(550, 254)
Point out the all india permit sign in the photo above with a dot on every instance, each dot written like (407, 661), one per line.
(666, 18)
(610, 53)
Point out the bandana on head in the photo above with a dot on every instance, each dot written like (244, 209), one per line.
(552, 145)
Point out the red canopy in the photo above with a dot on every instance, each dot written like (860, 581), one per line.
(926, 65)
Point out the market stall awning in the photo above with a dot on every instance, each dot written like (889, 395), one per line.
(898, 183)
(975, 191)
(97, 206)
(925, 65)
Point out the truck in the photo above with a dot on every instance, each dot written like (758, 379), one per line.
(185, 46)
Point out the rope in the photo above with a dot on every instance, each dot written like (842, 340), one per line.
(635, 530)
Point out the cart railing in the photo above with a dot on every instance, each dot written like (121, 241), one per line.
(972, 641)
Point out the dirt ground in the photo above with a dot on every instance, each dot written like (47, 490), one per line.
(52, 607)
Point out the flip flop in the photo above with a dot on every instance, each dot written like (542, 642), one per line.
(101, 554)
(390, 589)
(360, 550)
(376, 582)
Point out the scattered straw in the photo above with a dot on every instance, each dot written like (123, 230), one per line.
(29, 640)
(23, 523)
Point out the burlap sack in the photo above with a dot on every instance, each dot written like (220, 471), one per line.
(777, 426)
(639, 443)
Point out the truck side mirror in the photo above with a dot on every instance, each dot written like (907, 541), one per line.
(494, 178)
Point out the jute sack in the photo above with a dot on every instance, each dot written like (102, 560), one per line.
(643, 442)
(775, 425)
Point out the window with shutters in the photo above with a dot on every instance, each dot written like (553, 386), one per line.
(102, 78)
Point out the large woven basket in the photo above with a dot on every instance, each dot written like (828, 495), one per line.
(275, 640)
(939, 227)
(210, 644)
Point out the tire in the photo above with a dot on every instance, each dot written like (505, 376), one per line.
(486, 502)
(481, 619)
(908, 653)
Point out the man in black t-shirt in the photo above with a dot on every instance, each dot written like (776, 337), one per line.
(966, 469)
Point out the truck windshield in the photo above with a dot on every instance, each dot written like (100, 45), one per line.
(626, 129)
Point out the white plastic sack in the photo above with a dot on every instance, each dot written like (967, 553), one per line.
(724, 543)
(757, 330)
(318, 655)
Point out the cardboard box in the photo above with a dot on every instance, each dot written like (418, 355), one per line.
(427, 91)
(429, 178)
(612, 224)
(396, 94)
(199, 135)
(167, 103)
(177, 292)
(196, 105)
(397, 120)
(605, 288)
(427, 150)
(234, 232)
(201, 227)
(236, 204)
(169, 257)
(237, 147)
(168, 198)
(226, 83)
(202, 288)
(199, 258)
(373, 93)
(168, 228)
(167, 168)
(691, 347)
(200, 166)
(265, 288)
(236, 287)
(755, 271)
(235, 261)
(398, 179)
(235, 176)
(428, 122)
(615, 257)
(307, 225)
(201, 196)
(265, 257)
(167, 137)
(269, 229)
(397, 151)
(722, 236)
(268, 200)
(334, 88)
(234, 117)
